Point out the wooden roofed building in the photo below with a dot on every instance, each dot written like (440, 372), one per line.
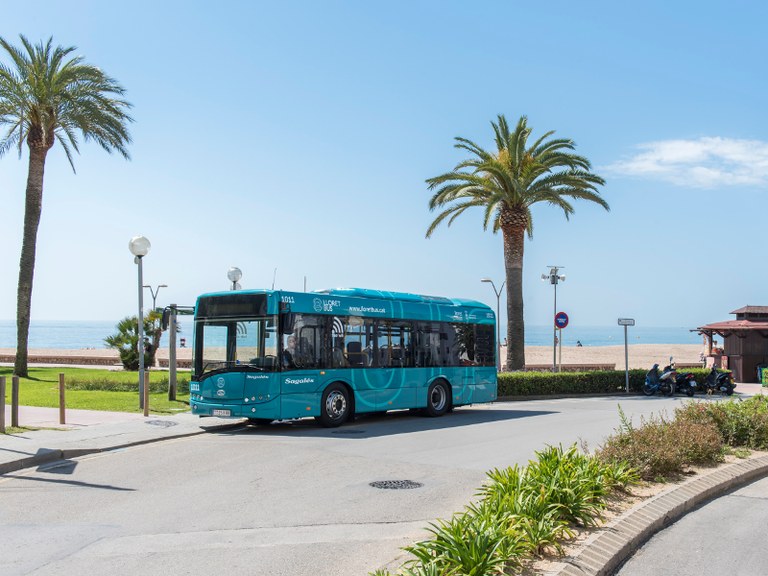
(745, 341)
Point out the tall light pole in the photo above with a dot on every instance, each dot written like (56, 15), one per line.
(139, 247)
(154, 293)
(554, 278)
(234, 274)
(498, 333)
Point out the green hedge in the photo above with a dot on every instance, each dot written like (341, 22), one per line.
(593, 382)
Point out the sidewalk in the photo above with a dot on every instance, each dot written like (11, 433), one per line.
(91, 431)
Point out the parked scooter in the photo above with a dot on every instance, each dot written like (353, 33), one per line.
(719, 381)
(663, 383)
(685, 382)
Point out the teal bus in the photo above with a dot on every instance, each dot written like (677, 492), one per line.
(270, 355)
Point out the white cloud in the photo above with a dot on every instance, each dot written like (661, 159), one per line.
(704, 163)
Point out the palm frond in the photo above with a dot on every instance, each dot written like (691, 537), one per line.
(46, 90)
(516, 176)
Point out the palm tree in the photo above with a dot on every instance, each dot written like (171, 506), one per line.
(505, 184)
(47, 96)
(126, 340)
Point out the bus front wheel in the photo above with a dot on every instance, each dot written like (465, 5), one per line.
(335, 407)
(438, 398)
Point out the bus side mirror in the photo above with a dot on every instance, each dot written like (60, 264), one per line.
(286, 322)
(166, 318)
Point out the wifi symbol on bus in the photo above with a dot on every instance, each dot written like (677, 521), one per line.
(242, 330)
(338, 327)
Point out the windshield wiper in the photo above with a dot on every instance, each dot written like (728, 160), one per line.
(223, 364)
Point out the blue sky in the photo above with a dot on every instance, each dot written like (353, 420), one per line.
(298, 136)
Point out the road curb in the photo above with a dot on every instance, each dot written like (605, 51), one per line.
(45, 455)
(605, 551)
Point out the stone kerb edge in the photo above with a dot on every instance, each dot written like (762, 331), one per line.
(613, 544)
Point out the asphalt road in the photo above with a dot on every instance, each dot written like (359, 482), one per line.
(288, 499)
(716, 539)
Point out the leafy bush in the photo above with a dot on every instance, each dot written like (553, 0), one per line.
(521, 512)
(662, 448)
(468, 543)
(740, 423)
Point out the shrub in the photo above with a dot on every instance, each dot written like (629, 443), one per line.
(739, 423)
(104, 383)
(592, 382)
(468, 544)
(521, 512)
(662, 448)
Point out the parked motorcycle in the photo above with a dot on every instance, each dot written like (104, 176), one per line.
(685, 382)
(719, 381)
(663, 382)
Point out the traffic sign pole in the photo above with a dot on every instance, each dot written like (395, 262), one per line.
(561, 321)
(626, 322)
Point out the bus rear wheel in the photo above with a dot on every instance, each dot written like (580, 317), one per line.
(335, 407)
(438, 399)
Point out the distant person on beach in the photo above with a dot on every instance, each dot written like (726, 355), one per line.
(578, 343)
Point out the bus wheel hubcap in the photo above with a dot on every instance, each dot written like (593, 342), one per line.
(335, 404)
(438, 398)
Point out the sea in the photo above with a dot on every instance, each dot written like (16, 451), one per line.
(75, 334)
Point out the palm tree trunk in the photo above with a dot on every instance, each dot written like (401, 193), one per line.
(32, 210)
(514, 242)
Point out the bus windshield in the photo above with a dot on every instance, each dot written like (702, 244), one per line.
(239, 343)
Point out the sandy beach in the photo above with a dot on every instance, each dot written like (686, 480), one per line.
(640, 355)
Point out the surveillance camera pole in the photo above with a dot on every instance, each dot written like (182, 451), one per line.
(554, 278)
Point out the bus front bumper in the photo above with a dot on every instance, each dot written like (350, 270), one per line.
(266, 410)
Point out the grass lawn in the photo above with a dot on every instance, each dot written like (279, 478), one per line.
(96, 389)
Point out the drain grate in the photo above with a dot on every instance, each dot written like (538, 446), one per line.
(396, 484)
(161, 423)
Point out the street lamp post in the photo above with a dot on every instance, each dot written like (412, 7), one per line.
(234, 274)
(554, 278)
(155, 292)
(139, 247)
(498, 333)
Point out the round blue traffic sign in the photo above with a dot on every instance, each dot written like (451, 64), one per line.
(561, 320)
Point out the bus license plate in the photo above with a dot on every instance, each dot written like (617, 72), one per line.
(222, 413)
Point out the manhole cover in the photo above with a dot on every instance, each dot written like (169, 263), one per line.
(396, 484)
(161, 423)
(348, 432)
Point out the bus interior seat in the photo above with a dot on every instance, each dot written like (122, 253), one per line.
(355, 354)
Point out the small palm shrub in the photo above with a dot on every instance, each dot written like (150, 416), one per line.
(126, 339)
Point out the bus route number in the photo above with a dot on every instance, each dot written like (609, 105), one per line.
(287, 300)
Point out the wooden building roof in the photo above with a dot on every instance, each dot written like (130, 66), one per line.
(748, 319)
(751, 310)
(736, 326)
